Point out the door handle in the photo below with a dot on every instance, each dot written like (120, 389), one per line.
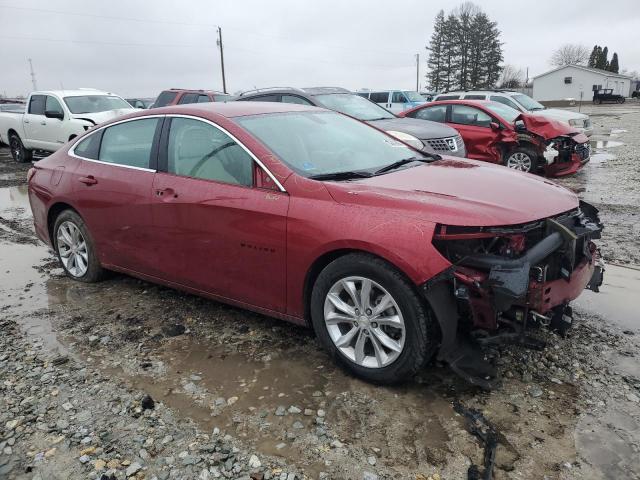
(26, 121)
(43, 123)
(166, 192)
(88, 180)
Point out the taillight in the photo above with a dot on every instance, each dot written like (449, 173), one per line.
(30, 173)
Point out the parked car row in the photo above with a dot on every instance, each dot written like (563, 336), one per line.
(393, 255)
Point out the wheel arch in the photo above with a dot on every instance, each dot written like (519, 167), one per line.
(54, 211)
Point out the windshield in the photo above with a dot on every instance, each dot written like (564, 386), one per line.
(527, 102)
(504, 111)
(414, 96)
(318, 143)
(354, 106)
(95, 103)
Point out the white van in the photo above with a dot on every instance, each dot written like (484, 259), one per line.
(395, 101)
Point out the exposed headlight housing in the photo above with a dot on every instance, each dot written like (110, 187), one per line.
(576, 122)
(406, 138)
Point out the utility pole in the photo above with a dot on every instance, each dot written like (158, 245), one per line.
(33, 76)
(219, 42)
(417, 72)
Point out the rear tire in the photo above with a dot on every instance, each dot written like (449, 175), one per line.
(18, 152)
(75, 248)
(389, 344)
(522, 159)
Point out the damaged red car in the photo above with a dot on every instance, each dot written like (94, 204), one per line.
(392, 255)
(496, 133)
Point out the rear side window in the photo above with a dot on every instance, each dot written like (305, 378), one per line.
(475, 97)
(165, 98)
(203, 99)
(437, 113)
(37, 104)
(447, 97)
(379, 97)
(294, 99)
(89, 147)
(129, 143)
(504, 100)
(200, 150)
(188, 98)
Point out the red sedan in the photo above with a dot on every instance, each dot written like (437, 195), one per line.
(313, 217)
(497, 133)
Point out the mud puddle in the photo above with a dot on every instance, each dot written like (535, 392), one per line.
(617, 300)
(600, 144)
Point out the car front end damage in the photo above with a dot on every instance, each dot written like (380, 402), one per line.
(503, 280)
(566, 155)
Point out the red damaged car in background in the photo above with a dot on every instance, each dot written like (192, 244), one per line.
(497, 133)
(393, 255)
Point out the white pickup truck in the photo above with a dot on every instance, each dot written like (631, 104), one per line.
(52, 118)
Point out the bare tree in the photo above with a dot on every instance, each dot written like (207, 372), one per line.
(570, 54)
(511, 77)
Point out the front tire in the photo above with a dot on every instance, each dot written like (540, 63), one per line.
(75, 248)
(371, 320)
(18, 152)
(522, 159)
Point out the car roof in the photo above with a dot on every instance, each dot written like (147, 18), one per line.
(236, 109)
(482, 92)
(307, 91)
(73, 93)
(191, 90)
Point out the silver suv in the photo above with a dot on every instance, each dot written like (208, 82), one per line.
(525, 104)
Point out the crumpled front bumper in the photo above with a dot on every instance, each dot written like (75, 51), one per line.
(563, 169)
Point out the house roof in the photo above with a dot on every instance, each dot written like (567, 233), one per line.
(588, 69)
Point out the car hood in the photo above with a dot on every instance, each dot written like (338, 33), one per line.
(99, 117)
(557, 114)
(461, 192)
(548, 128)
(422, 129)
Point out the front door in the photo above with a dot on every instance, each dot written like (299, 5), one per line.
(53, 134)
(215, 230)
(113, 188)
(474, 126)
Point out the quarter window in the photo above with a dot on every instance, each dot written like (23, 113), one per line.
(37, 104)
(464, 115)
(53, 105)
(199, 150)
(89, 147)
(379, 97)
(436, 113)
(165, 98)
(188, 98)
(129, 143)
(294, 99)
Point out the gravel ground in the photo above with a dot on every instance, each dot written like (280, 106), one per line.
(125, 379)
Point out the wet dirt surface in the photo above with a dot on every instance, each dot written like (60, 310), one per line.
(76, 361)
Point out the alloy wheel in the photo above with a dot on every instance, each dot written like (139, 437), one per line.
(519, 161)
(72, 248)
(364, 322)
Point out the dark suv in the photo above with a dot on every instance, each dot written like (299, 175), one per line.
(428, 136)
(180, 96)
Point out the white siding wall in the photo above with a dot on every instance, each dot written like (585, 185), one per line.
(552, 86)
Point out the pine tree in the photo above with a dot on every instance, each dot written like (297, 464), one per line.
(436, 48)
(613, 66)
(603, 59)
(593, 57)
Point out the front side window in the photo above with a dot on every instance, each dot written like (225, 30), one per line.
(37, 104)
(95, 103)
(528, 103)
(504, 101)
(294, 99)
(200, 150)
(165, 98)
(128, 143)
(319, 143)
(474, 97)
(437, 113)
(447, 97)
(222, 98)
(53, 105)
(354, 106)
(379, 97)
(398, 97)
(464, 115)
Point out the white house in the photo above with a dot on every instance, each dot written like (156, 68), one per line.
(577, 82)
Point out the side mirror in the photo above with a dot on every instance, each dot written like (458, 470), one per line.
(520, 126)
(495, 126)
(54, 114)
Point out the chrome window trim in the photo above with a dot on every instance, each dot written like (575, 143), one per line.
(233, 137)
(72, 150)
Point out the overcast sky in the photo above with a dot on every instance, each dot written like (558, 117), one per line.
(138, 48)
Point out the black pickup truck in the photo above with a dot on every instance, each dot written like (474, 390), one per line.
(607, 95)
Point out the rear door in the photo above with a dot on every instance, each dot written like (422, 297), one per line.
(475, 127)
(112, 189)
(217, 231)
(34, 123)
(381, 98)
